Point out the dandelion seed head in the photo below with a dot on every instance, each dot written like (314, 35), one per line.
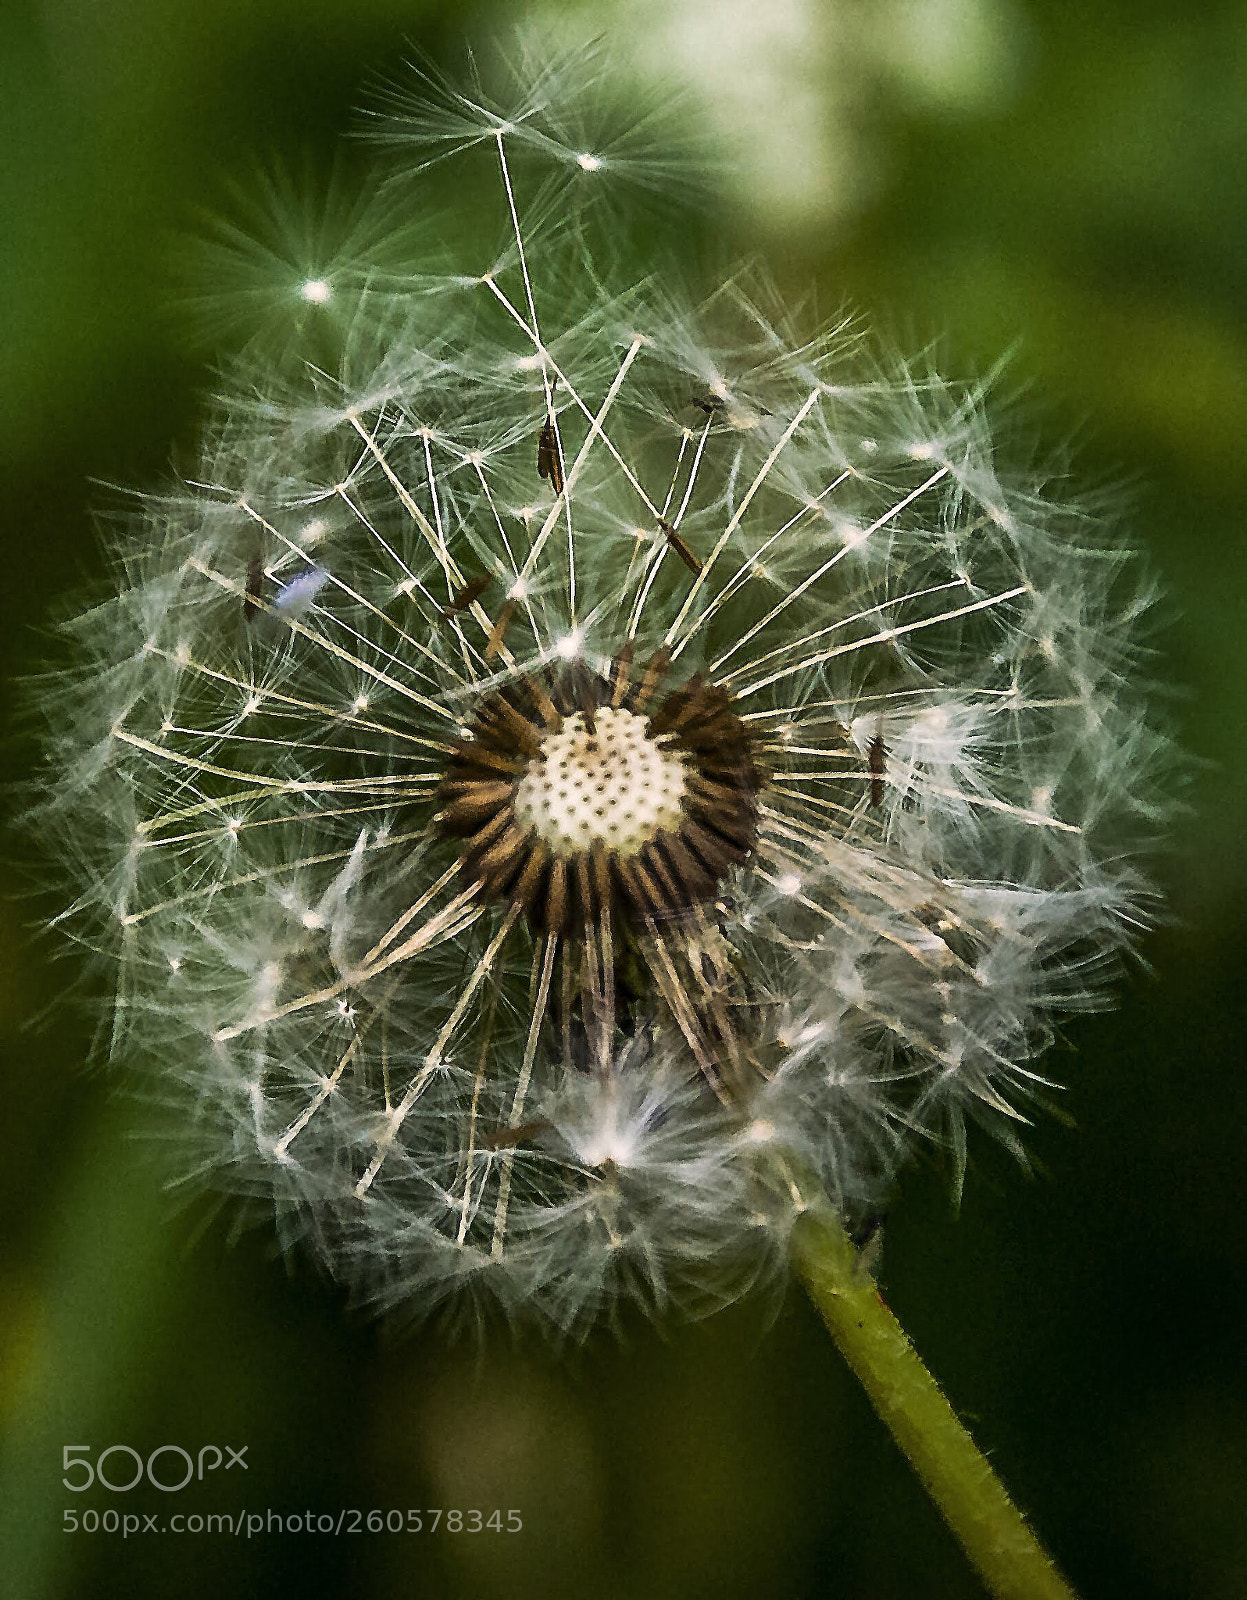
(513, 876)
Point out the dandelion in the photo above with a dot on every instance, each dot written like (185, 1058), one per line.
(581, 781)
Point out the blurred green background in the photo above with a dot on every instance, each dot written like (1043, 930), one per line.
(1065, 180)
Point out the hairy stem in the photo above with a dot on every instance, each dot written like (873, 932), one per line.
(972, 1499)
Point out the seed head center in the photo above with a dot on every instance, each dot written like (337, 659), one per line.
(617, 786)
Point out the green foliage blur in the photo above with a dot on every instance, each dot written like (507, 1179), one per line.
(1062, 180)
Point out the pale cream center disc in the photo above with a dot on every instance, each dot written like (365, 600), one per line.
(616, 786)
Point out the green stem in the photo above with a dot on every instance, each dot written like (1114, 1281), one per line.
(990, 1528)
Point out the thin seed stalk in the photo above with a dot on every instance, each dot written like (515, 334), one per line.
(991, 1530)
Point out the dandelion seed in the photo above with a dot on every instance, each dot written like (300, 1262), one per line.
(498, 632)
(464, 597)
(255, 582)
(509, 1138)
(877, 757)
(549, 462)
(680, 548)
